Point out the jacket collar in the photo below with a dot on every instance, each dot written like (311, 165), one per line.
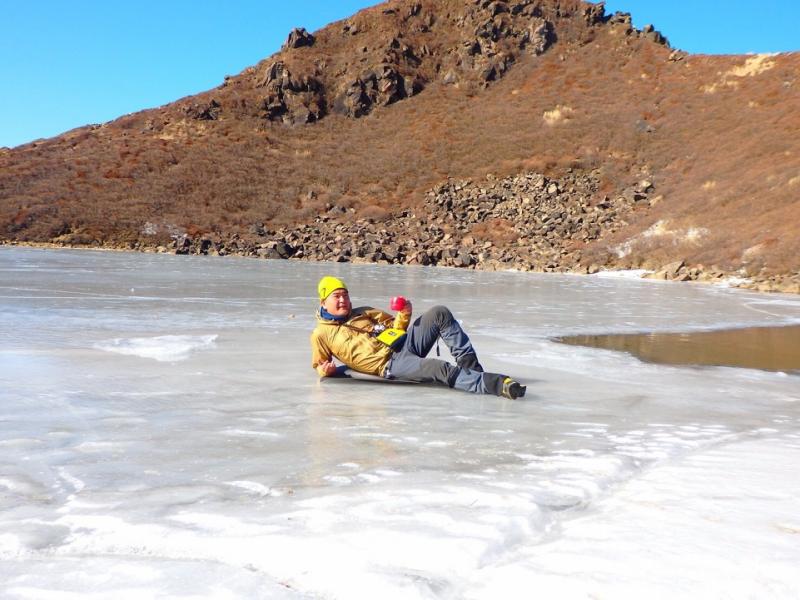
(324, 315)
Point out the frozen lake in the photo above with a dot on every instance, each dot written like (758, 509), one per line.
(162, 435)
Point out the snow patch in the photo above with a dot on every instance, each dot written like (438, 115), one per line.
(163, 348)
(622, 274)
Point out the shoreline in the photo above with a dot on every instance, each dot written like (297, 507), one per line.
(525, 223)
(675, 272)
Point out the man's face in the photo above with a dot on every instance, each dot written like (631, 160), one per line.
(338, 303)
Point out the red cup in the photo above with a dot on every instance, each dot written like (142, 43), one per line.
(397, 303)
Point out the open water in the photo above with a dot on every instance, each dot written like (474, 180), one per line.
(162, 435)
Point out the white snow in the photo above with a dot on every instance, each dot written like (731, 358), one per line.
(173, 441)
(622, 274)
(163, 348)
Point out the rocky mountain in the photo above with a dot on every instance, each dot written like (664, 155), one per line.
(536, 134)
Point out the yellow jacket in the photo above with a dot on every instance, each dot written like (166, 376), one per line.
(353, 341)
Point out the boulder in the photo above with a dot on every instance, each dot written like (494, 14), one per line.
(594, 13)
(538, 37)
(413, 10)
(284, 250)
(620, 18)
(450, 77)
(655, 36)
(463, 259)
(208, 111)
(673, 268)
(298, 38)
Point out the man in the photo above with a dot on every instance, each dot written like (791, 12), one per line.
(371, 341)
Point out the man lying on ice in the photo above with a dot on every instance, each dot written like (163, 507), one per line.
(371, 341)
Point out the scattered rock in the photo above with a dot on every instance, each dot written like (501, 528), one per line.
(676, 55)
(450, 77)
(528, 222)
(783, 283)
(620, 18)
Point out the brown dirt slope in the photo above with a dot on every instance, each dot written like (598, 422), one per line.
(371, 112)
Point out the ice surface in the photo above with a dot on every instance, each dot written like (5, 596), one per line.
(163, 435)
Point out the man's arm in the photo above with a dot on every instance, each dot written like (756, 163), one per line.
(376, 315)
(399, 321)
(321, 356)
(403, 317)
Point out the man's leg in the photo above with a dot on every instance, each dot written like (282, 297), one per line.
(407, 365)
(439, 322)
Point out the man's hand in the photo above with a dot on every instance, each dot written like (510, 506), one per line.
(327, 368)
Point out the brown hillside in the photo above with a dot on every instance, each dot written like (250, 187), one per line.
(370, 113)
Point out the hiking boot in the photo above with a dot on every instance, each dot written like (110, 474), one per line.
(512, 389)
(469, 362)
(504, 386)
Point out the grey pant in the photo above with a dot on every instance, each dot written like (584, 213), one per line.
(410, 362)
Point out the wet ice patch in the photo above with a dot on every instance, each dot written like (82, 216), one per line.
(250, 432)
(163, 348)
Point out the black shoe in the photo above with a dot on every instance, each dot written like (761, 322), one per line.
(504, 386)
(469, 362)
(512, 389)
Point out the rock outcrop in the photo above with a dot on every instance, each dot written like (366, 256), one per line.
(399, 67)
(207, 111)
(298, 38)
(293, 100)
(374, 88)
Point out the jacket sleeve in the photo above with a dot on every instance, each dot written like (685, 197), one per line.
(399, 321)
(320, 352)
(378, 316)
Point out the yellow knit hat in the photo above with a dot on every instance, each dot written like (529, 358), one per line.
(328, 284)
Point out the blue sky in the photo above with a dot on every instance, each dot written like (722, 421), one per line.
(66, 63)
